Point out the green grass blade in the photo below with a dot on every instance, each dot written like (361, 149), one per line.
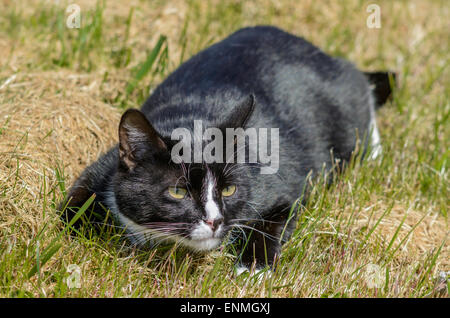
(54, 246)
(145, 67)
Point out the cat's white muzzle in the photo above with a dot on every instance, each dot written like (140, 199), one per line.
(203, 238)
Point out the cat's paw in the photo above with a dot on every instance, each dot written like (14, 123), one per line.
(240, 269)
(377, 152)
(259, 273)
(375, 140)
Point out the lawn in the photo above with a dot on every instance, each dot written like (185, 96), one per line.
(381, 230)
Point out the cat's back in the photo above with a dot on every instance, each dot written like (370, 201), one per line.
(251, 53)
(297, 86)
(276, 66)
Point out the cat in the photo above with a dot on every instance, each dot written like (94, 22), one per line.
(260, 77)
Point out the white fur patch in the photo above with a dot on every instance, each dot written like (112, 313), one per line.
(375, 140)
(202, 245)
(259, 273)
(241, 269)
(202, 231)
(211, 207)
(203, 238)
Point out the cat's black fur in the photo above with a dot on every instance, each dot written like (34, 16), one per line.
(257, 77)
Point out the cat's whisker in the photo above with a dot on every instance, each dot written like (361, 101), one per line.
(109, 225)
(164, 223)
(235, 167)
(228, 161)
(178, 180)
(154, 238)
(154, 232)
(252, 205)
(238, 167)
(231, 239)
(257, 220)
(265, 234)
(254, 209)
(185, 172)
(250, 202)
(242, 231)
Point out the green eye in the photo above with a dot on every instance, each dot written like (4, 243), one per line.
(177, 193)
(229, 190)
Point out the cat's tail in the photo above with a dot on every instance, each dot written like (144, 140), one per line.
(382, 83)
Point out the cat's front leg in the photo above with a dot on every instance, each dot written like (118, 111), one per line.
(261, 244)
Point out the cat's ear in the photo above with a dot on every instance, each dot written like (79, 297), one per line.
(137, 136)
(241, 113)
(383, 83)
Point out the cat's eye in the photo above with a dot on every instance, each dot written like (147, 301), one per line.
(228, 190)
(177, 192)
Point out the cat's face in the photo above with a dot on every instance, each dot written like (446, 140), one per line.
(195, 204)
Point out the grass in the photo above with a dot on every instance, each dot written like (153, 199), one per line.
(61, 95)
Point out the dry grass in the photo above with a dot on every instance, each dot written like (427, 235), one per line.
(58, 114)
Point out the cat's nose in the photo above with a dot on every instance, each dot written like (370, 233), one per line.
(214, 223)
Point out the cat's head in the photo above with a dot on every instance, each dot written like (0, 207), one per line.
(196, 204)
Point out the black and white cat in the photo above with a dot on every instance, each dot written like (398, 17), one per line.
(259, 77)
